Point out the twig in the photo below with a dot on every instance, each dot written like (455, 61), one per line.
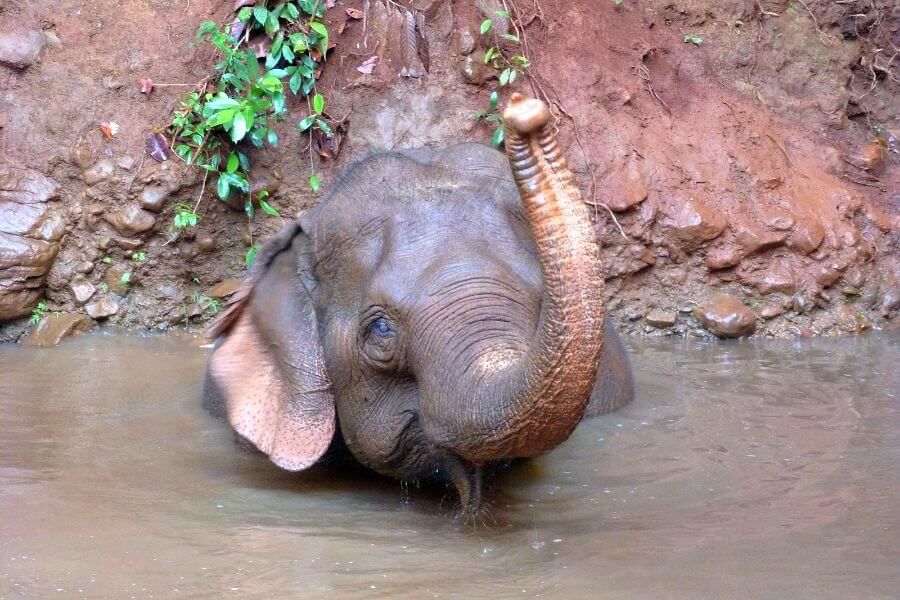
(644, 73)
(783, 149)
(136, 173)
(822, 36)
(202, 189)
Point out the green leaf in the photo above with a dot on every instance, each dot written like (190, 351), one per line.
(479, 114)
(325, 127)
(510, 37)
(251, 255)
(219, 102)
(268, 208)
(295, 82)
(125, 279)
(222, 188)
(497, 138)
(502, 13)
(245, 162)
(290, 12)
(318, 103)
(485, 26)
(495, 99)
(220, 118)
(238, 128)
(512, 75)
(233, 163)
(287, 53)
(315, 183)
(489, 54)
(245, 13)
(306, 123)
(504, 77)
(248, 208)
(319, 28)
(272, 138)
(271, 24)
(260, 13)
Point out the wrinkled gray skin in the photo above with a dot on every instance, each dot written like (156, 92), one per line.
(398, 309)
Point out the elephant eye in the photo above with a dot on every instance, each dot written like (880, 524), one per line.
(381, 327)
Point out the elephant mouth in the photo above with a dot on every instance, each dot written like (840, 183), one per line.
(467, 478)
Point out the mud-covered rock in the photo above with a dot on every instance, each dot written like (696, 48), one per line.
(113, 278)
(692, 223)
(25, 186)
(53, 328)
(726, 317)
(225, 288)
(661, 319)
(779, 277)
(82, 289)
(131, 220)
(101, 171)
(21, 50)
(102, 307)
(153, 198)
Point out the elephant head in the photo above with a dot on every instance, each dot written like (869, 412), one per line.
(439, 310)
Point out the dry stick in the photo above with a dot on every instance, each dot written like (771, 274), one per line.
(202, 189)
(824, 39)
(783, 149)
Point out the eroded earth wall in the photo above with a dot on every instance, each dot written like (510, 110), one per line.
(741, 155)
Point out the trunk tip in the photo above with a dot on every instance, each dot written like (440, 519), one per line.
(524, 115)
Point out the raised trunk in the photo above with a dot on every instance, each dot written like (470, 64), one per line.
(532, 406)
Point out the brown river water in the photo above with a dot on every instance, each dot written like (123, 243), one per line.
(742, 470)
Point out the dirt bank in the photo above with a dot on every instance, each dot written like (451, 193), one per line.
(746, 149)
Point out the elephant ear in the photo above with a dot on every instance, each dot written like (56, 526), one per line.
(268, 363)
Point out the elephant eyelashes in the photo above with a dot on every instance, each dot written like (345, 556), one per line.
(379, 339)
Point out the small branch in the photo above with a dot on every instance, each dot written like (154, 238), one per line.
(202, 189)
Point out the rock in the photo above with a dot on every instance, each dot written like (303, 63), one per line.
(153, 198)
(25, 186)
(19, 51)
(82, 289)
(84, 267)
(473, 68)
(127, 243)
(465, 42)
(725, 317)
(102, 307)
(131, 220)
(692, 223)
(826, 275)
(869, 158)
(771, 311)
(82, 156)
(111, 83)
(126, 162)
(625, 185)
(33, 220)
(778, 278)
(206, 242)
(101, 171)
(753, 239)
(722, 257)
(53, 328)
(806, 236)
(661, 318)
(113, 280)
(225, 288)
(851, 320)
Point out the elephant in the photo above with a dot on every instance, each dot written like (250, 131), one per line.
(439, 312)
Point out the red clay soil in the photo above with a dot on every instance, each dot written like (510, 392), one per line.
(754, 174)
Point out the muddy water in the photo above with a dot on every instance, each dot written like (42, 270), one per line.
(742, 471)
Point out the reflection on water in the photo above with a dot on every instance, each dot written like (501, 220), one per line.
(741, 471)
